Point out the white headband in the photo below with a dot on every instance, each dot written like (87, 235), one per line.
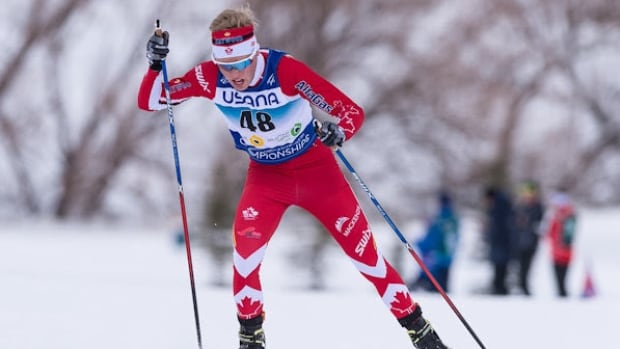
(234, 42)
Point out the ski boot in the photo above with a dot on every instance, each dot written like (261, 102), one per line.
(422, 334)
(251, 334)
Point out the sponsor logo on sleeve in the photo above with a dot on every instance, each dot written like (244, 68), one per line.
(249, 214)
(315, 98)
(201, 79)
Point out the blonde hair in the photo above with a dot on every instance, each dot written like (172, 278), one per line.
(234, 18)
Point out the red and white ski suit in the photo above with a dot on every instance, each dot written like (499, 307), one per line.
(272, 122)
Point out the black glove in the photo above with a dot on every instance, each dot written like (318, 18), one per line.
(157, 49)
(329, 133)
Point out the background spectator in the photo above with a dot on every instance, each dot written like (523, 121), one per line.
(529, 212)
(561, 233)
(498, 230)
(438, 245)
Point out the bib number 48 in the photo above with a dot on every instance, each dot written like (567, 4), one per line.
(259, 121)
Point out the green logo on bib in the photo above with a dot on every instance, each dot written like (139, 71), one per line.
(296, 129)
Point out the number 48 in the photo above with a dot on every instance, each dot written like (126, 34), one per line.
(261, 122)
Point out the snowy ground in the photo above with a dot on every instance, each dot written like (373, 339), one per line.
(96, 287)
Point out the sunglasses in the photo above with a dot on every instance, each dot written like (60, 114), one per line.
(238, 65)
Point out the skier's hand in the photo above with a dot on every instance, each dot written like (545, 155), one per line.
(329, 133)
(157, 48)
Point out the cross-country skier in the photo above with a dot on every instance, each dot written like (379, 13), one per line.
(266, 96)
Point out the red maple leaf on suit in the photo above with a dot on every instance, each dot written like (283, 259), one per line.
(401, 304)
(345, 114)
(250, 307)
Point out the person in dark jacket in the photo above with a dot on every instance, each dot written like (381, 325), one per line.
(529, 212)
(499, 234)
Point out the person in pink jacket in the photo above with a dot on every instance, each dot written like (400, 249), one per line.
(560, 231)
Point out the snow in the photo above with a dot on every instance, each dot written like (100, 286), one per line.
(76, 286)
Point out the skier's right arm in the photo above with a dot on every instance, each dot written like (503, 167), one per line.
(151, 89)
(151, 94)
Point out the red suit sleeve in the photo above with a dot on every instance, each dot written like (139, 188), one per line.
(297, 78)
(200, 81)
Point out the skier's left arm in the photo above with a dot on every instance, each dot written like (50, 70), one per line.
(297, 78)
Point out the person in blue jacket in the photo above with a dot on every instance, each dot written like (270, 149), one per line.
(438, 245)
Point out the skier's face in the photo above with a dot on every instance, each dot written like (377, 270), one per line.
(239, 71)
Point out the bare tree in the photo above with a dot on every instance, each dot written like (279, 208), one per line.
(490, 76)
(38, 27)
(93, 143)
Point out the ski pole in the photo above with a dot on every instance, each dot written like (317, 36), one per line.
(175, 151)
(413, 253)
